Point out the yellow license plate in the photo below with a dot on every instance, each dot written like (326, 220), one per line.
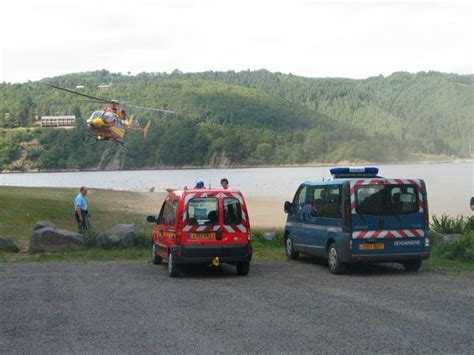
(203, 235)
(371, 246)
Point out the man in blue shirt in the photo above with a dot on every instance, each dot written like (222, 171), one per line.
(81, 210)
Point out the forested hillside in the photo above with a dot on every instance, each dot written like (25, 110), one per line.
(242, 118)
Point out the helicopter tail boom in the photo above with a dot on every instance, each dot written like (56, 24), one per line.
(145, 130)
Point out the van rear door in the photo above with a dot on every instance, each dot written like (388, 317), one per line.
(388, 216)
(201, 219)
(236, 226)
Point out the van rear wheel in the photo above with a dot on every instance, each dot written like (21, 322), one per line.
(173, 268)
(291, 254)
(155, 259)
(243, 268)
(412, 265)
(334, 263)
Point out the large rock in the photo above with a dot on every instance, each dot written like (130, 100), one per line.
(443, 239)
(55, 239)
(42, 224)
(7, 245)
(120, 235)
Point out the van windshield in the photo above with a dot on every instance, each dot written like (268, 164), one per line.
(386, 199)
(202, 211)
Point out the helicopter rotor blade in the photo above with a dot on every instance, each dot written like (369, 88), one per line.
(151, 109)
(97, 99)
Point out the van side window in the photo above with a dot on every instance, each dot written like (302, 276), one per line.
(232, 211)
(160, 218)
(167, 212)
(300, 198)
(332, 202)
(316, 202)
(172, 216)
(202, 211)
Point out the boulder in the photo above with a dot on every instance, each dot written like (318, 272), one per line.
(120, 235)
(55, 239)
(7, 245)
(42, 224)
(443, 239)
(270, 236)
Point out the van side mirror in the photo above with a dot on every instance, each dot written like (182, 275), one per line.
(151, 219)
(288, 207)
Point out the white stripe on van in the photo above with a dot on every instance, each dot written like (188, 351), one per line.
(237, 196)
(242, 228)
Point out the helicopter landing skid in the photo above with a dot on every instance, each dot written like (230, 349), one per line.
(95, 139)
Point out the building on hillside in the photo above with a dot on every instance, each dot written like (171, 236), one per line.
(103, 86)
(58, 121)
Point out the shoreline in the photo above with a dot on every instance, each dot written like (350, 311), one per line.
(270, 166)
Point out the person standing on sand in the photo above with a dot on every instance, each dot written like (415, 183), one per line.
(225, 183)
(81, 210)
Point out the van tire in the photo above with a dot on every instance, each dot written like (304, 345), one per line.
(173, 268)
(155, 259)
(291, 254)
(243, 268)
(334, 263)
(412, 265)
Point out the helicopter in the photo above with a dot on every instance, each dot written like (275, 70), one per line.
(112, 122)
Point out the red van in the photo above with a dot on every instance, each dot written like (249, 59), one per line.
(202, 226)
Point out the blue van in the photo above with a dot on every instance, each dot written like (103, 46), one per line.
(359, 216)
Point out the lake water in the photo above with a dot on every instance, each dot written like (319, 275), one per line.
(450, 185)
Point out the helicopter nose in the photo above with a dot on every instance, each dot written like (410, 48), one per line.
(96, 122)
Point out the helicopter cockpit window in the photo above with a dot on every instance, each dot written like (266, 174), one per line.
(108, 117)
(95, 114)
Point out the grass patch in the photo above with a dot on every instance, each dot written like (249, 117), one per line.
(268, 244)
(22, 207)
(436, 262)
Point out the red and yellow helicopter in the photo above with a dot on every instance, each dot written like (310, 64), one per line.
(112, 122)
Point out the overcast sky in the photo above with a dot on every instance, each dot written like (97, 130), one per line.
(45, 38)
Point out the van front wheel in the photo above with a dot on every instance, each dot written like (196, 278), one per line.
(173, 268)
(412, 265)
(291, 254)
(155, 259)
(335, 265)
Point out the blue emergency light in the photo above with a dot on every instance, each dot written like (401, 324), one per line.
(354, 171)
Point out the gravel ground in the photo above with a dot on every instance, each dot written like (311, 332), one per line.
(299, 306)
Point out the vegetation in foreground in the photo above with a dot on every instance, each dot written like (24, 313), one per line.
(21, 208)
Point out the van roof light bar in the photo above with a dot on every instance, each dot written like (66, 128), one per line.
(348, 172)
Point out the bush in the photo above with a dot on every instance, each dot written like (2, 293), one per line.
(90, 239)
(267, 237)
(462, 249)
(449, 225)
